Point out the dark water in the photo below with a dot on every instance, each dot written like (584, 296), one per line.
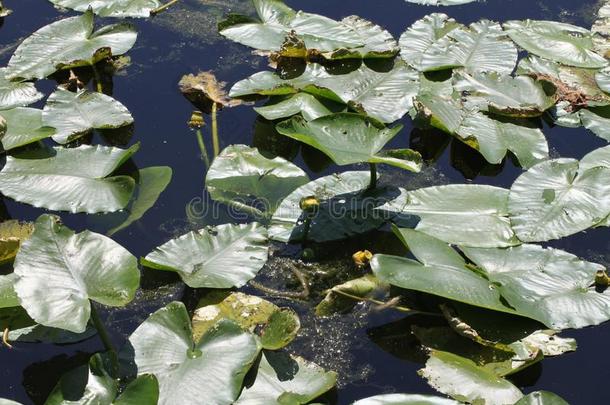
(183, 40)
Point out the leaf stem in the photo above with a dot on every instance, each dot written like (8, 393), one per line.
(385, 304)
(98, 79)
(215, 140)
(373, 181)
(163, 7)
(202, 148)
(105, 338)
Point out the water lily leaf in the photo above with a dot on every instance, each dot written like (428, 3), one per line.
(241, 176)
(285, 379)
(349, 138)
(550, 344)
(8, 296)
(361, 287)
(345, 209)
(464, 214)
(16, 94)
(558, 198)
(76, 114)
(213, 368)
(463, 380)
(72, 179)
(386, 96)
(301, 103)
(559, 42)
(12, 234)
(152, 181)
(519, 96)
(3, 13)
(405, 399)
(441, 2)
(279, 325)
(422, 35)
(4, 401)
(59, 272)
(112, 8)
(222, 256)
(596, 120)
(67, 43)
(319, 35)
(24, 126)
(204, 89)
(541, 398)
(491, 137)
(483, 47)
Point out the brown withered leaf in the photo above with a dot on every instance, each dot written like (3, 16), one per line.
(204, 90)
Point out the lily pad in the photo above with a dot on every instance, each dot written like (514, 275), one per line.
(16, 94)
(222, 256)
(76, 114)
(213, 368)
(285, 379)
(12, 234)
(464, 214)
(405, 399)
(24, 126)
(74, 180)
(112, 8)
(240, 176)
(350, 138)
(59, 272)
(301, 103)
(541, 398)
(68, 43)
(560, 42)
(8, 296)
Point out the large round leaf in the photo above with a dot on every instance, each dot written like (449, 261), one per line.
(68, 43)
(23, 126)
(223, 256)
(350, 138)
(72, 179)
(557, 198)
(405, 399)
(112, 8)
(76, 114)
(560, 42)
(212, 369)
(16, 94)
(285, 379)
(240, 175)
(59, 272)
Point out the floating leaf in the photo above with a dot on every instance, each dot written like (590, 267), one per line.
(285, 379)
(241, 176)
(464, 214)
(3, 13)
(24, 126)
(68, 43)
(69, 179)
(541, 398)
(213, 368)
(560, 42)
(12, 234)
(405, 399)
(301, 103)
(249, 312)
(386, 96)
(59, 272)
(76, 114)
(112, 8)
(16, 94)
(463, 380)
(550, 344)
(349, 138)
(222, 256)
(8, 296)
(596, 120)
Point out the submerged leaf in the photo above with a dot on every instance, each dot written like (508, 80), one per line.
(15, 93)
(23, 126)
(59, 272)
(112, 8)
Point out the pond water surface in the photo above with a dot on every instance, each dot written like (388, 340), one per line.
(370, 357)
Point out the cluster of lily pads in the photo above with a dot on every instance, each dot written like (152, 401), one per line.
(473, 246)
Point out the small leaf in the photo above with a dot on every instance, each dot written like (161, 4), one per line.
(16, 94)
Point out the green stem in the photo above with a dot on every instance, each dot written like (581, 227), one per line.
(202, 148)
(373, 181)
(163, 7)
(215, 140)
(98, 79)
(105, 338)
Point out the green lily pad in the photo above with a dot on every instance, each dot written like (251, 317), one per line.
(76, 114)
(301, 103)
(350, 138)
(112, 8)
(8, 296)
(541, 398)
(213, 368)
(24, 126)
(405, 399)
(222, 256)
(16, 94)
(68, 43)
(285, 379)
(241, 176)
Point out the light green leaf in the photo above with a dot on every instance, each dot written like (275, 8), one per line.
(76, 114)
(59, 272)
(596, 120)
(285, 379)
(8, 296)
(361, 287)
(405, 399)
(541, 398)
(222, 256)
(241, 176)
(12, 234)
(559, 42)
(112, 8)
(67, 43)
(301, 103)
(349, 138)
(24, 126)
(72, 179)
(16, 94)
(213, 368)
